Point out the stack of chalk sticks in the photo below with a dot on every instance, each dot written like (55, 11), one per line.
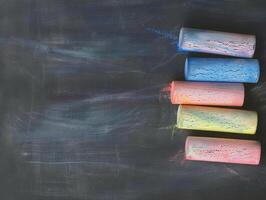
(214, 82)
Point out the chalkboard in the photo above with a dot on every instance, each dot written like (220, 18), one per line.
(83, 114)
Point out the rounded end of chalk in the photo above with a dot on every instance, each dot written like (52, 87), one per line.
(254, 47)
(242, 94)
(187, 148)
(186, 69)
(178, 116)
(258, 71)
(258, 154)
(172, 92)
(256, 122)
(180, 39)
(253, 123)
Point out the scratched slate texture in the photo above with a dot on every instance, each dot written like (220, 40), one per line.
(82, 112)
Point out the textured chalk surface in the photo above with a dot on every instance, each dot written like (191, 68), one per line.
(207, 93)
(222, 70)
(206, 41)
(217, 119)
(223, 150)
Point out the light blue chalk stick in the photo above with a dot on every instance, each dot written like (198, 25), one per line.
(222, 70)
(216, 42)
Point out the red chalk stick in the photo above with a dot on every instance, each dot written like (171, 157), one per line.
(223, 150)
(207, 93)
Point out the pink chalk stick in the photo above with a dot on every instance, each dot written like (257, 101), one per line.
(223, 150)
(207, 93)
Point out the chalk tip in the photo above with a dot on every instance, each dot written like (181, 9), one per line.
(186, 69)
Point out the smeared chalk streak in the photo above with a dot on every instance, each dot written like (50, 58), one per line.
(163, 33)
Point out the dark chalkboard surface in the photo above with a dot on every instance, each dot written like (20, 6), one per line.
(82, 115)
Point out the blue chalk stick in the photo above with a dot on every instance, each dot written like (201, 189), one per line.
(222, 70)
